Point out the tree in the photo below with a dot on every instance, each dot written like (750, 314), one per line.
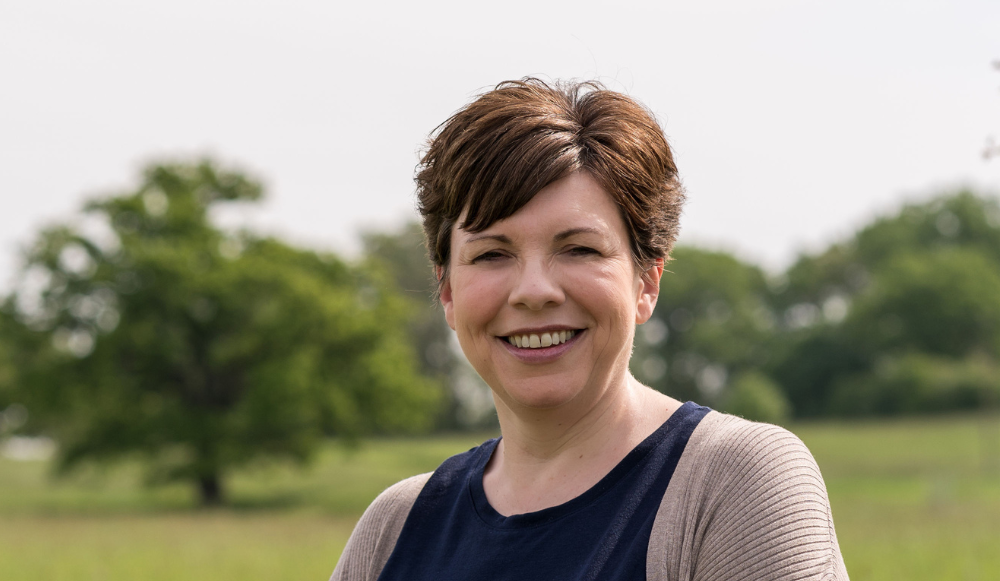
(200, 351)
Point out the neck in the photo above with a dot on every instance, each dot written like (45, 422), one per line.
(550, 456)
(546, 434)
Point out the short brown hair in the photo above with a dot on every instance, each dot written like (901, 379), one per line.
(491, 157)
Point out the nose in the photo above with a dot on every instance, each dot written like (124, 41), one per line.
(536, 287)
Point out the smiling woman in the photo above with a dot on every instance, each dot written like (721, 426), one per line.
(549, 213)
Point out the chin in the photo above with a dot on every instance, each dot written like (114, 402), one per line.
(540, 393)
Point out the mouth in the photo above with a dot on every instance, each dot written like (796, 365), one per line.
(541, 340)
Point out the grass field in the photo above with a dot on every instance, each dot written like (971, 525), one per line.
(913, 499)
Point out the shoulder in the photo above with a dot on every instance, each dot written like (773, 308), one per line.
(751, 503)
(375, 535)
(737, 452)
(756, 478)
(394, 503)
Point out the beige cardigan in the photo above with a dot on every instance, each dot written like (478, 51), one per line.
(746, 502)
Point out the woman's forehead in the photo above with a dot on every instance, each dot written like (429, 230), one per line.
(576, 204)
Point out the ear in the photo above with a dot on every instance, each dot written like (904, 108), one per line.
(649, 290)
(444, 295)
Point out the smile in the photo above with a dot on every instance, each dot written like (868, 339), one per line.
(539, 340)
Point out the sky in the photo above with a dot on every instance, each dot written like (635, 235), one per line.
(792, 122)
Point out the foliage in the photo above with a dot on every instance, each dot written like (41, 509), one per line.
(941, 301)
(403, 254)
(919, 283)
(202, 351)
(919, 383)
(810, 363)
(8, 367)
(756, 397)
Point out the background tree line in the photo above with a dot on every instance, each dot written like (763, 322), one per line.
(199, 350)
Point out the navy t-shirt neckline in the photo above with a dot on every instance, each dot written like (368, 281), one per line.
(493, 518)
(453, 534)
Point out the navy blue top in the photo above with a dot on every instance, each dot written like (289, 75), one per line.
(452, 532)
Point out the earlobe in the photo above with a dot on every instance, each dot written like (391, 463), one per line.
(444, 295)
(649, 291)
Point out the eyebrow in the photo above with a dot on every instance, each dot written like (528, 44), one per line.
(574, 231)
(558, 237)
(497, 237)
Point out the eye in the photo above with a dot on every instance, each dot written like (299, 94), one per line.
(582, 251)
(490, 256)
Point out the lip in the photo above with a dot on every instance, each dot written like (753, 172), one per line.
(541, 354)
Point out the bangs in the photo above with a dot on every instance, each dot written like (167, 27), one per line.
(505, 186)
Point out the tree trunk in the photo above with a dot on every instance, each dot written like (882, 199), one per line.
(210, 489)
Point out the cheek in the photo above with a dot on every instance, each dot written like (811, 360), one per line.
(607, 293)
(476, 300)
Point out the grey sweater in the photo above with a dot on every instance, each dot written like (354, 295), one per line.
(746, 502)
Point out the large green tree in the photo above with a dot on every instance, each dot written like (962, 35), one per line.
(200, 351)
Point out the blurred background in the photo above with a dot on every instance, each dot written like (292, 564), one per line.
(217, 337)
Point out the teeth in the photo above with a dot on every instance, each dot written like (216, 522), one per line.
(536, 341)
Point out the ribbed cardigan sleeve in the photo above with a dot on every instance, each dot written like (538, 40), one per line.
(375, 535)
(746, 502)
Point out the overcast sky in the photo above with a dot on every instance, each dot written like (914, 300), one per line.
(792, 122)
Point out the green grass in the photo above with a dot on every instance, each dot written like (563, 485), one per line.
(912, 499)
(168, 547)
(341, 482)
(283, 523)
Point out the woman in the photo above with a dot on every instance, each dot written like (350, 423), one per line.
(549, 213)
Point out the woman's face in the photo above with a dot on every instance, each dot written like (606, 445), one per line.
(545, 302)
